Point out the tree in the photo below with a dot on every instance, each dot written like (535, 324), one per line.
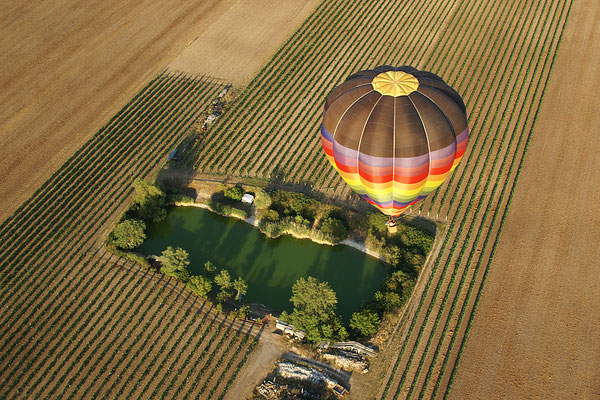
(223, 280)
(334, 229)
(200, 285)
(387, 300)
(313, 296)
(234, 193)
(366, 322)
(243, 312)
(262, 200)
(391, 254)
(210, 268)
(150, 201)
(300, 205)
(129, 234)
(175, 262)
(314, 310)
(398, 281)
(300, 220)
(270, 216)
(240, 286)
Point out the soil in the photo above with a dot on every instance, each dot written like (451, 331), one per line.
(239, 43)
(68, 66)
(388, 338)
(535, 331)
(261, 361)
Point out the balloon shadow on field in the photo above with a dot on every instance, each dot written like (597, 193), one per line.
(277, 181)
(422, 223)
(176, 180)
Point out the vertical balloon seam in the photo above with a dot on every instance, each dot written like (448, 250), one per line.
(360, 178)
(428, 147)
(456, 135)
(394, 160)
(440, 109)
(346, 110)
(344, 92)
(335, 131)
(449, 124)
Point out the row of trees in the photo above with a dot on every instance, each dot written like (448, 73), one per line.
(175, 262)
(314, 302)
(314, 312)
(314, 308)
(262, 199)
(298, 214)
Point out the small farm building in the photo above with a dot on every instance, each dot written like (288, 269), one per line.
(248, 198)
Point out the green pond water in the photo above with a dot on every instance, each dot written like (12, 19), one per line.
(269, 266)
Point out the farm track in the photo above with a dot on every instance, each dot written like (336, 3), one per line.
(499, 65)
(80, 322)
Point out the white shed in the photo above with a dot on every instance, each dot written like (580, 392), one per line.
(248, 198)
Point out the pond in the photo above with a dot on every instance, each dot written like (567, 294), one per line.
(269, 266)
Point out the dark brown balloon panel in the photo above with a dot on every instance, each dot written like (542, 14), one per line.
(394, 134)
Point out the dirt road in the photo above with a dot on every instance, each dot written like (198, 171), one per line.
(535, 334)
(68, 66)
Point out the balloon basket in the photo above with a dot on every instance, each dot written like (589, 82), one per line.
(392, 225)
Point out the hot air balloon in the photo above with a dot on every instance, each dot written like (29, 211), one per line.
(394, 134)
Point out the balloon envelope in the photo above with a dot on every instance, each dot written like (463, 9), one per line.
(394, 134)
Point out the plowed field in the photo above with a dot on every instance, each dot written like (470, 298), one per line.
(535, 334)
(77, 323)
(68, 66)
(242, 39)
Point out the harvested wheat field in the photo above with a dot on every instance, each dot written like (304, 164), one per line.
(242, 39)
(535, 334)
(68, 66)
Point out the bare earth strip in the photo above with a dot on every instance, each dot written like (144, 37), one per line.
(243, 38)
(535, 334)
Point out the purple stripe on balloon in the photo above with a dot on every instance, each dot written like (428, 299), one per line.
(387, 204)
(398, 171)
(326, 134)
(341, 158)
(447, 151)
(402, 162)
(462, 136)
(376, 162)
(345, 151)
